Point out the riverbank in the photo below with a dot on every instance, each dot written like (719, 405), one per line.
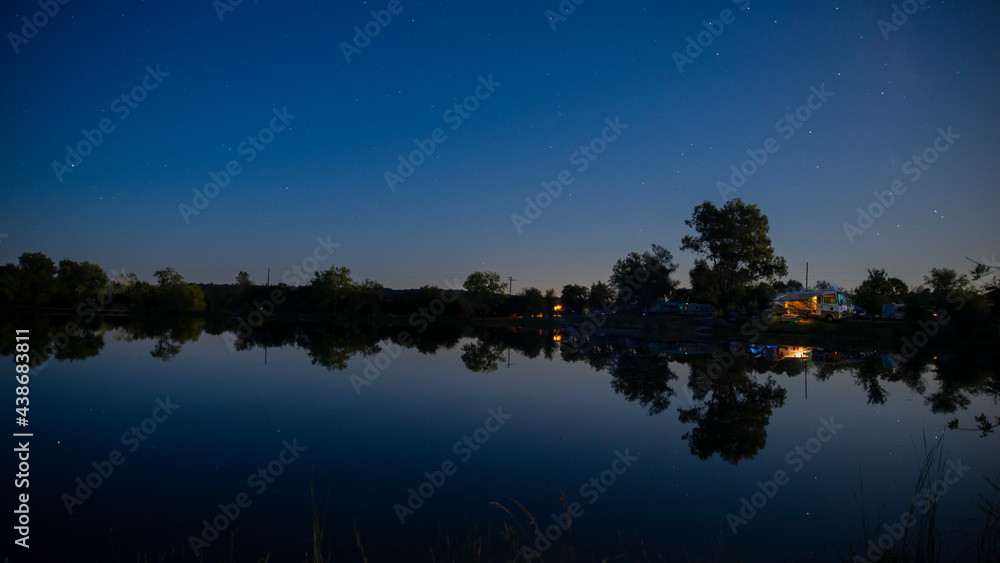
(807, 332)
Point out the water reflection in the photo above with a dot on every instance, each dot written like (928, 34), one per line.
(650, 395)
(483, 355)
(734, 410)
(169, 335)
(642, 375)
(729, 411)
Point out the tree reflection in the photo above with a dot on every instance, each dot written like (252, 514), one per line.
(483, 356)
(491, 347)
(333, 348)
(959, 379)
(596, 351)
(165, 349)
(430, 340)
(80, 346)
(643, 377)
(170, 333)
(735, 411)
(869, 375)
(729, 416)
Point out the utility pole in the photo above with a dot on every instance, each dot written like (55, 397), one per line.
(269, 277)
(807, 277)
(510, 286)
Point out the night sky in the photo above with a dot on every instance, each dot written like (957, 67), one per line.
(197, 85)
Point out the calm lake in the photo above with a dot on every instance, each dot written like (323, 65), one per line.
(161, 438)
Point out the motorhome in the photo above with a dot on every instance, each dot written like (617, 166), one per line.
(828, 304)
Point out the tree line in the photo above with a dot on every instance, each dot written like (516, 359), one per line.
(736, 269)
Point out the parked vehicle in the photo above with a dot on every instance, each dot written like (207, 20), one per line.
(681, 308)
(860, 313)
(697, 309)
(893, 311)
(666, 308)
(828, 304)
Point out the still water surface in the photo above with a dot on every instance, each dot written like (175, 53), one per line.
(766, 463)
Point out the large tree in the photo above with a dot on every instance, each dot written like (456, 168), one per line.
(534, 300)
(10, 283)
(644, 278)
(945, 280)
(172, 293)
(551, 300)
(878, 288)
(600, 297)
(333, 289)
(168, 276)
(953, 292)
(733, 248)
(370, 297)
(77, 281)
(37, 273)
(485, 289)
(574, 297)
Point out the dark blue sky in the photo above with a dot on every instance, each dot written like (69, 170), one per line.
(323, 175)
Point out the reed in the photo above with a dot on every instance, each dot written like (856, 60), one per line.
(922, 540)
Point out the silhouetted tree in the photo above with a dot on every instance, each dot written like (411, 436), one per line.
(733, 247)
(534, 300)
(485, 289)
(77, 281)
(551, 301)
(601, 296)
(644, 278)
(331, 289)
(173, 294)
(371, 296)
(37, 278)
(167, 277)
(574, 297)
(877, 289)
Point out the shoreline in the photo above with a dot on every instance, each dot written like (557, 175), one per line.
(880, 333)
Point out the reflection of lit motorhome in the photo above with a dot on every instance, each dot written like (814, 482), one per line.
(893, 310)
(793, 353)
(773, 353)
(829, 304)
(777, 353)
